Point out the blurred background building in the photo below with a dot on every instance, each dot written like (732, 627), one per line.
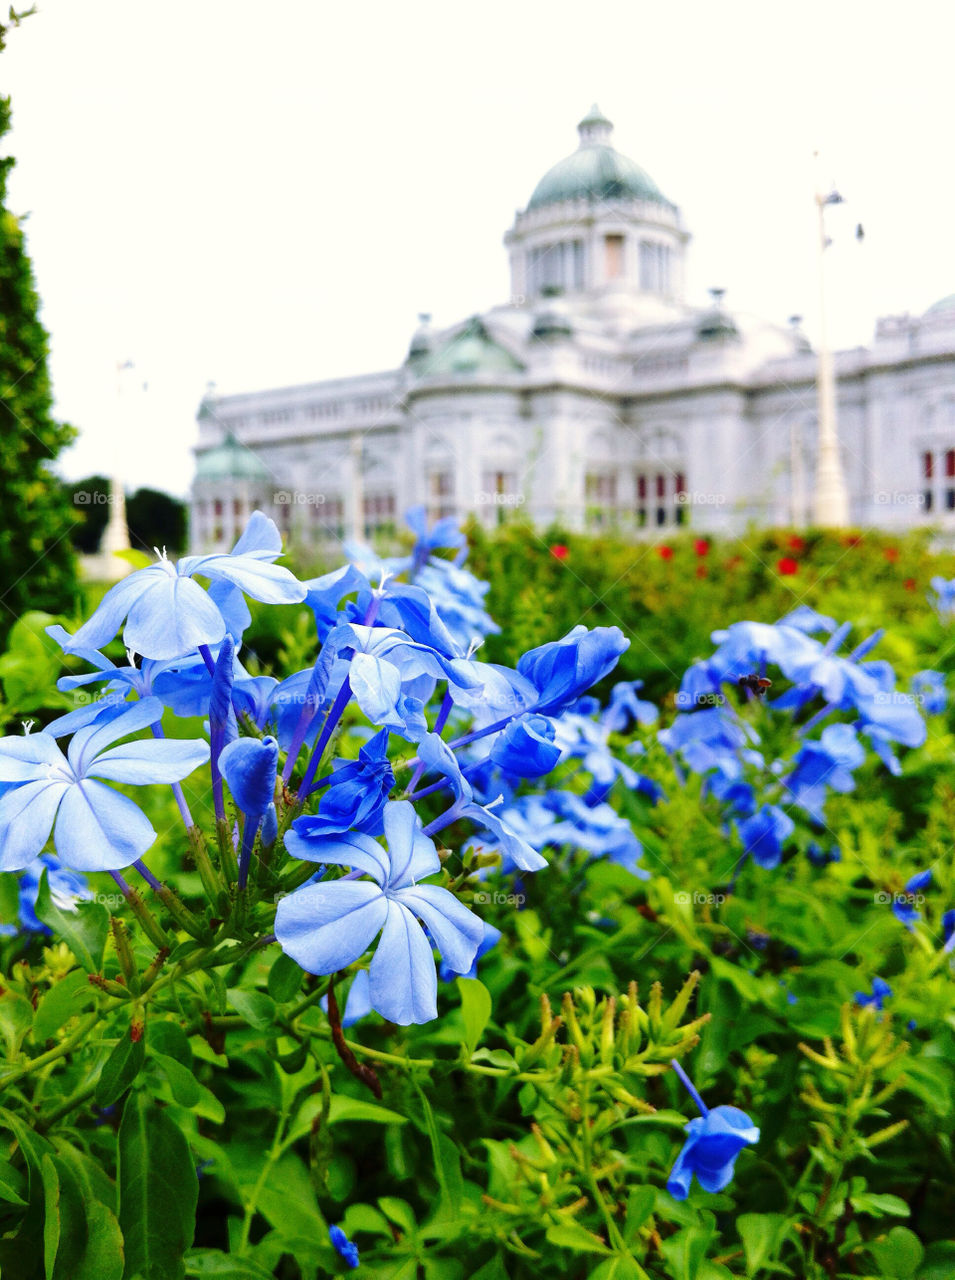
(593, 397)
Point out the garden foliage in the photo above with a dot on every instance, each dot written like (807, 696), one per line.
(414, 964)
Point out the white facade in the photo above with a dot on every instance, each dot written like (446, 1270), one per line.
(595, 398)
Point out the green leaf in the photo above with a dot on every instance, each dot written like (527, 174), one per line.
(13, 1184)
(400, 1213)
(210, 1263)
(63, 1001)
(81, 1237)
(447, 1162)
(476, 1010)
(169, 1038)
(618, 1268)
(158, 1191)
(16, 1019)
(185, 1087)
(345, 1108)
(685, 1252)
(761, 1234)
(256, 1007)
(493, 1269)
(497, 1058)
(120, 1070)
(83, 930)
(939, 1261)
(899, 1254)
(285, 978)
(570, 1235)
(879, 1206)
(289, 1202)
(639, 1207)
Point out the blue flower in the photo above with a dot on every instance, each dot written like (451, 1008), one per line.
(327, 926)
(764, 834)
(880, 992)
(929, 688)
(490, 940)
(344, 1246)
(66, 890)
(564, 669)
(168, 615)
(358, 1004)
(96, 828)
(944, 601)
(948, 930)
(356, 794)
(248, 766)
(625, 708)
(526, 747)
(714, 1141)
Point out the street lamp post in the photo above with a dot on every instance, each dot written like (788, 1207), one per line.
(831, 505)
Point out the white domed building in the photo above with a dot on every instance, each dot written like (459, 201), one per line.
(595, 397)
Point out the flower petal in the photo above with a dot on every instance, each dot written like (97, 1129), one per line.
(26, 819)
(113, 608)
(98, 829)
(147, 761)
(324, 927)
(29, 758)
(411, 853)
(272, 583)
(457, 932)
(402, 977)
(354, 849)
(87, 743)
(171, 618)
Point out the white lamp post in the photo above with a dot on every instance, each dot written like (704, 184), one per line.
(831, 500)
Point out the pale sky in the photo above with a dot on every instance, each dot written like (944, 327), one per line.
(264, 194)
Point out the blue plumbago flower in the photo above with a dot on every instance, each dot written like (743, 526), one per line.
(66, 890)
(459, 598)
(356, 795)
(881, 991)
(944, 602)
(823, 765)
(444, 535)
(929, 688)
(564, 669)
(764, 834)
(526, 747)
(820, 857)
(253, 696)
(714, 738)
(626, 709)
(884, 721)
(599, 830)
(751, 646)
(808, 620)
(96, 828)
(344, 1246)
(168, 615)
(327, 926)
(248, 766)
(714, 1140)
(903, 904)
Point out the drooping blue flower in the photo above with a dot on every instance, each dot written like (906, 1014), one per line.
(355, 797)
(327, 926)
(564, 669)
(714, 1140)
(929, 689)
(881, 991)
(626, 709)
(526, 747)
(96, 828)
(248, 766)
(169, 615)
(344, 1246)
(764, 834)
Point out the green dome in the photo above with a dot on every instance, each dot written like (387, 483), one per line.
(231, 461)
(943, 304)
(595, 171)
(473, 350)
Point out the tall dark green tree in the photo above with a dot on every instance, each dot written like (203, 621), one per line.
(37, 564)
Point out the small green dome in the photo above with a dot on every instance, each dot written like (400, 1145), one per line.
(943, 304)
(472, 350)
(231, 461)
(595, 171)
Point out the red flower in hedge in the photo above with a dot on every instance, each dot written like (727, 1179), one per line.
(796, 543)
(559, 551)
(852, 539)
(734, 562)
(701, 547)
(665, 553)
(701, 570)
(909, 584)
(891, 554)
(787, 566)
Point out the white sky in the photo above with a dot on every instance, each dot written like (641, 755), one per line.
(264, 194)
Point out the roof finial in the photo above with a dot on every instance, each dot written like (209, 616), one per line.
(595, 129)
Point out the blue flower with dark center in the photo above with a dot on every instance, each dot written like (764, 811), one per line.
(714, 1141)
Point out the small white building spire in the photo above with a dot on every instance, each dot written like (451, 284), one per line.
(595, 129)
